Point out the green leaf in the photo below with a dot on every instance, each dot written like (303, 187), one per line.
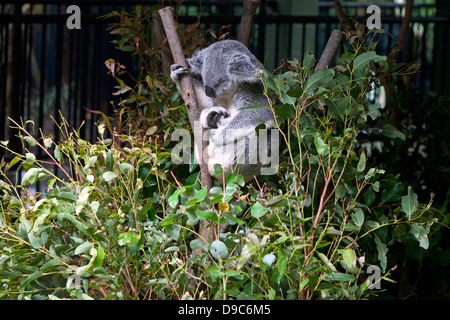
(126, 168)
(393, 193)
(369, 197)
(218, 249)
(50, 265)
(338, 276)
(286, 111)
(268, 259)
(173, 199)
(272, 293)
(31, 176)
(98, 261)
(373, 111)
(83, 248)
(362, 163)
(358, 217)
(303, 284)
(382, 252)
(109, 161)
(173, 231)
(201, 195)
(421, 234)
(338, 107)
(78, 224)
(349, 260)
(205, 214)
(326, 261)
(30, 160)
(126, 238)
(258, 210)
(31, 277)
(295, 92)
(82, 199)
(142, 215)
(34, 241)
(109, 176)
(14, 161)
(58, 154)
(410, 202)
(309, 61)
(282, 261)
(67, 196)
(365, 58)
(390, 131)
(196, 243)
(31, 142)
(322, 147)
(320, 79)
(232, 219)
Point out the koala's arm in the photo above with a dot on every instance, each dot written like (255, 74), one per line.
(176, 72)
(247, 95)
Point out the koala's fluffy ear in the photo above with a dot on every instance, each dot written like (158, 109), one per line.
(244, 68)
(196, 62)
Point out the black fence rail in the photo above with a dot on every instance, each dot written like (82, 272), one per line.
(47, 70)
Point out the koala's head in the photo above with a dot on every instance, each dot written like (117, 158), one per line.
(223, 65)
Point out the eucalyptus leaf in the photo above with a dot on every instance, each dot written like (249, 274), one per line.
(218, 249)
(410, 202)
(365, 58)
(358, 217)
(31, 176)
(320, 79)
(109, 176)
(421, 234)
(258, 210)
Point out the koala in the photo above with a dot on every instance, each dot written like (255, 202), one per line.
(226, 80)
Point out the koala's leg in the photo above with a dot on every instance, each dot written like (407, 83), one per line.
(210, 117)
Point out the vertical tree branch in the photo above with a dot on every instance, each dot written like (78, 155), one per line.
(247, 20)
(330, 50)
(403, 31)
(345, 22)
(187, 86)
(158, 35)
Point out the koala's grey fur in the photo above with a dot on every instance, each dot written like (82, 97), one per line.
(229, 80)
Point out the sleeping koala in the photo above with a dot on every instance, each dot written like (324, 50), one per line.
(226, 79)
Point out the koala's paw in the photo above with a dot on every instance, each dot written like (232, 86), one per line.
(211, 117)
(177, 71)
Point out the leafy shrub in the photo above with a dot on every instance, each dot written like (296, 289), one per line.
(119, 220)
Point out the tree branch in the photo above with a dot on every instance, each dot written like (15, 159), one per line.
(403, 31)
(187, 87)
(248, 16)
(330, 50)
(345, 22)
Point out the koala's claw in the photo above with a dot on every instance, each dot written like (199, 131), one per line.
(214, 117)
(176, 71)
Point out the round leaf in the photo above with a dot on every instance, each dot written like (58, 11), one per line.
(218, 249)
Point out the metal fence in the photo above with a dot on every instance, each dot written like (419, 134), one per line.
(47, 70)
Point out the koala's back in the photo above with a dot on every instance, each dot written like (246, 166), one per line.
(249, 94)
(230, 82)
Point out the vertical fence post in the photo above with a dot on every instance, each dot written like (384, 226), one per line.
(16, 77)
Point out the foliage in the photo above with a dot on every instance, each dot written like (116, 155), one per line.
(119, 220)
(421, 159)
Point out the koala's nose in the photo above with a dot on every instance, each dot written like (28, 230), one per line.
(210, 92)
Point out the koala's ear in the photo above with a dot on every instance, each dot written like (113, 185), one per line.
(244, 68)
(196, 62)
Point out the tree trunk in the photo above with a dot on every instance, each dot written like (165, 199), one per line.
(187, 87)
